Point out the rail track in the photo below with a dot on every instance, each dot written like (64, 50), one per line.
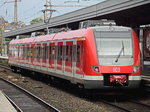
(126, 105)
(146, 83)
(23, 100)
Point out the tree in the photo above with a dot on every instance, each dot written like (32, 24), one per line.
(36, 20)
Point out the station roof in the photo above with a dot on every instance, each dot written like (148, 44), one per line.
(124, 12)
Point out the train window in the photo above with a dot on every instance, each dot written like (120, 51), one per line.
(53, 52)
(20, 52)
(58, 56)
(60, 52)
(50, 52)
(16, 51)
(74, 52)
(71, 48)
(78, 53)
(67, 53)
(32, 51)
(47, 52)
(10, 51)
(35, 51)
(29, 52)
(63, 52)
(44, 52)
(13, 51)
(38, 51)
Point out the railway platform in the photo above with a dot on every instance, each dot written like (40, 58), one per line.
(4, 57)
(5, 105)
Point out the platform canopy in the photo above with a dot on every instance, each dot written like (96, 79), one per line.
(125, 12)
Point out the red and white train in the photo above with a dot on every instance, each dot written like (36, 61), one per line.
(98, 57)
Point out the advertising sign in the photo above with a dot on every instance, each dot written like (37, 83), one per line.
(146, 45)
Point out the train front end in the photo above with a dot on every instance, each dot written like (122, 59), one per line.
(116, 64)
(118, 56)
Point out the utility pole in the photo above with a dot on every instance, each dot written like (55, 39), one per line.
(48, 8)
(15, 9)
(15, 12)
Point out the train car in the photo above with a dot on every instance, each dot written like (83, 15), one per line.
(97, 57)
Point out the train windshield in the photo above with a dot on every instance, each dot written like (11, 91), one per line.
(114, 48)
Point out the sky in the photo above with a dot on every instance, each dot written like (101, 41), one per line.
(31, 9)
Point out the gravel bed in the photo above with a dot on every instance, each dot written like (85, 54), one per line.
(56, 96)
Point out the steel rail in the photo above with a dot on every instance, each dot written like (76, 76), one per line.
(37, 99)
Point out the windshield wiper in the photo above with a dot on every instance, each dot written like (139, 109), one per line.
(122, 50)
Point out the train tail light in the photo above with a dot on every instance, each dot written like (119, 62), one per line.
(96, 69)
(136, 69)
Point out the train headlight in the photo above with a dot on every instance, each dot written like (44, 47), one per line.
(136, 69)
(96, 69)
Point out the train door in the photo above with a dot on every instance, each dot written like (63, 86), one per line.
(68, 58)
(59, 56)
(51, 55)
(79, 58)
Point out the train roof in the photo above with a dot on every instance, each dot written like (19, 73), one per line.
(111, 28)
(52, 37)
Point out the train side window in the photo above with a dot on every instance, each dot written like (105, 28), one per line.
(56, 52)
(38, 52)
(20, 52)
(60, 52)
(31, 51)
(63, 52)
(53, 52)
(78, 53)
(50, 52)
(47, 52)
(67, 53)
(44, 52)
(25, 53)
(71, 48)
(16, 51)
(41, 52)
(35, 51)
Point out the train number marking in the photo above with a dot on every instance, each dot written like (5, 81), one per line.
(116, 69)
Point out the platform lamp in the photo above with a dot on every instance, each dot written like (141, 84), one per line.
(47, 19)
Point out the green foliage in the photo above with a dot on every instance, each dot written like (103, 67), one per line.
(8, 39)
(36, 20)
